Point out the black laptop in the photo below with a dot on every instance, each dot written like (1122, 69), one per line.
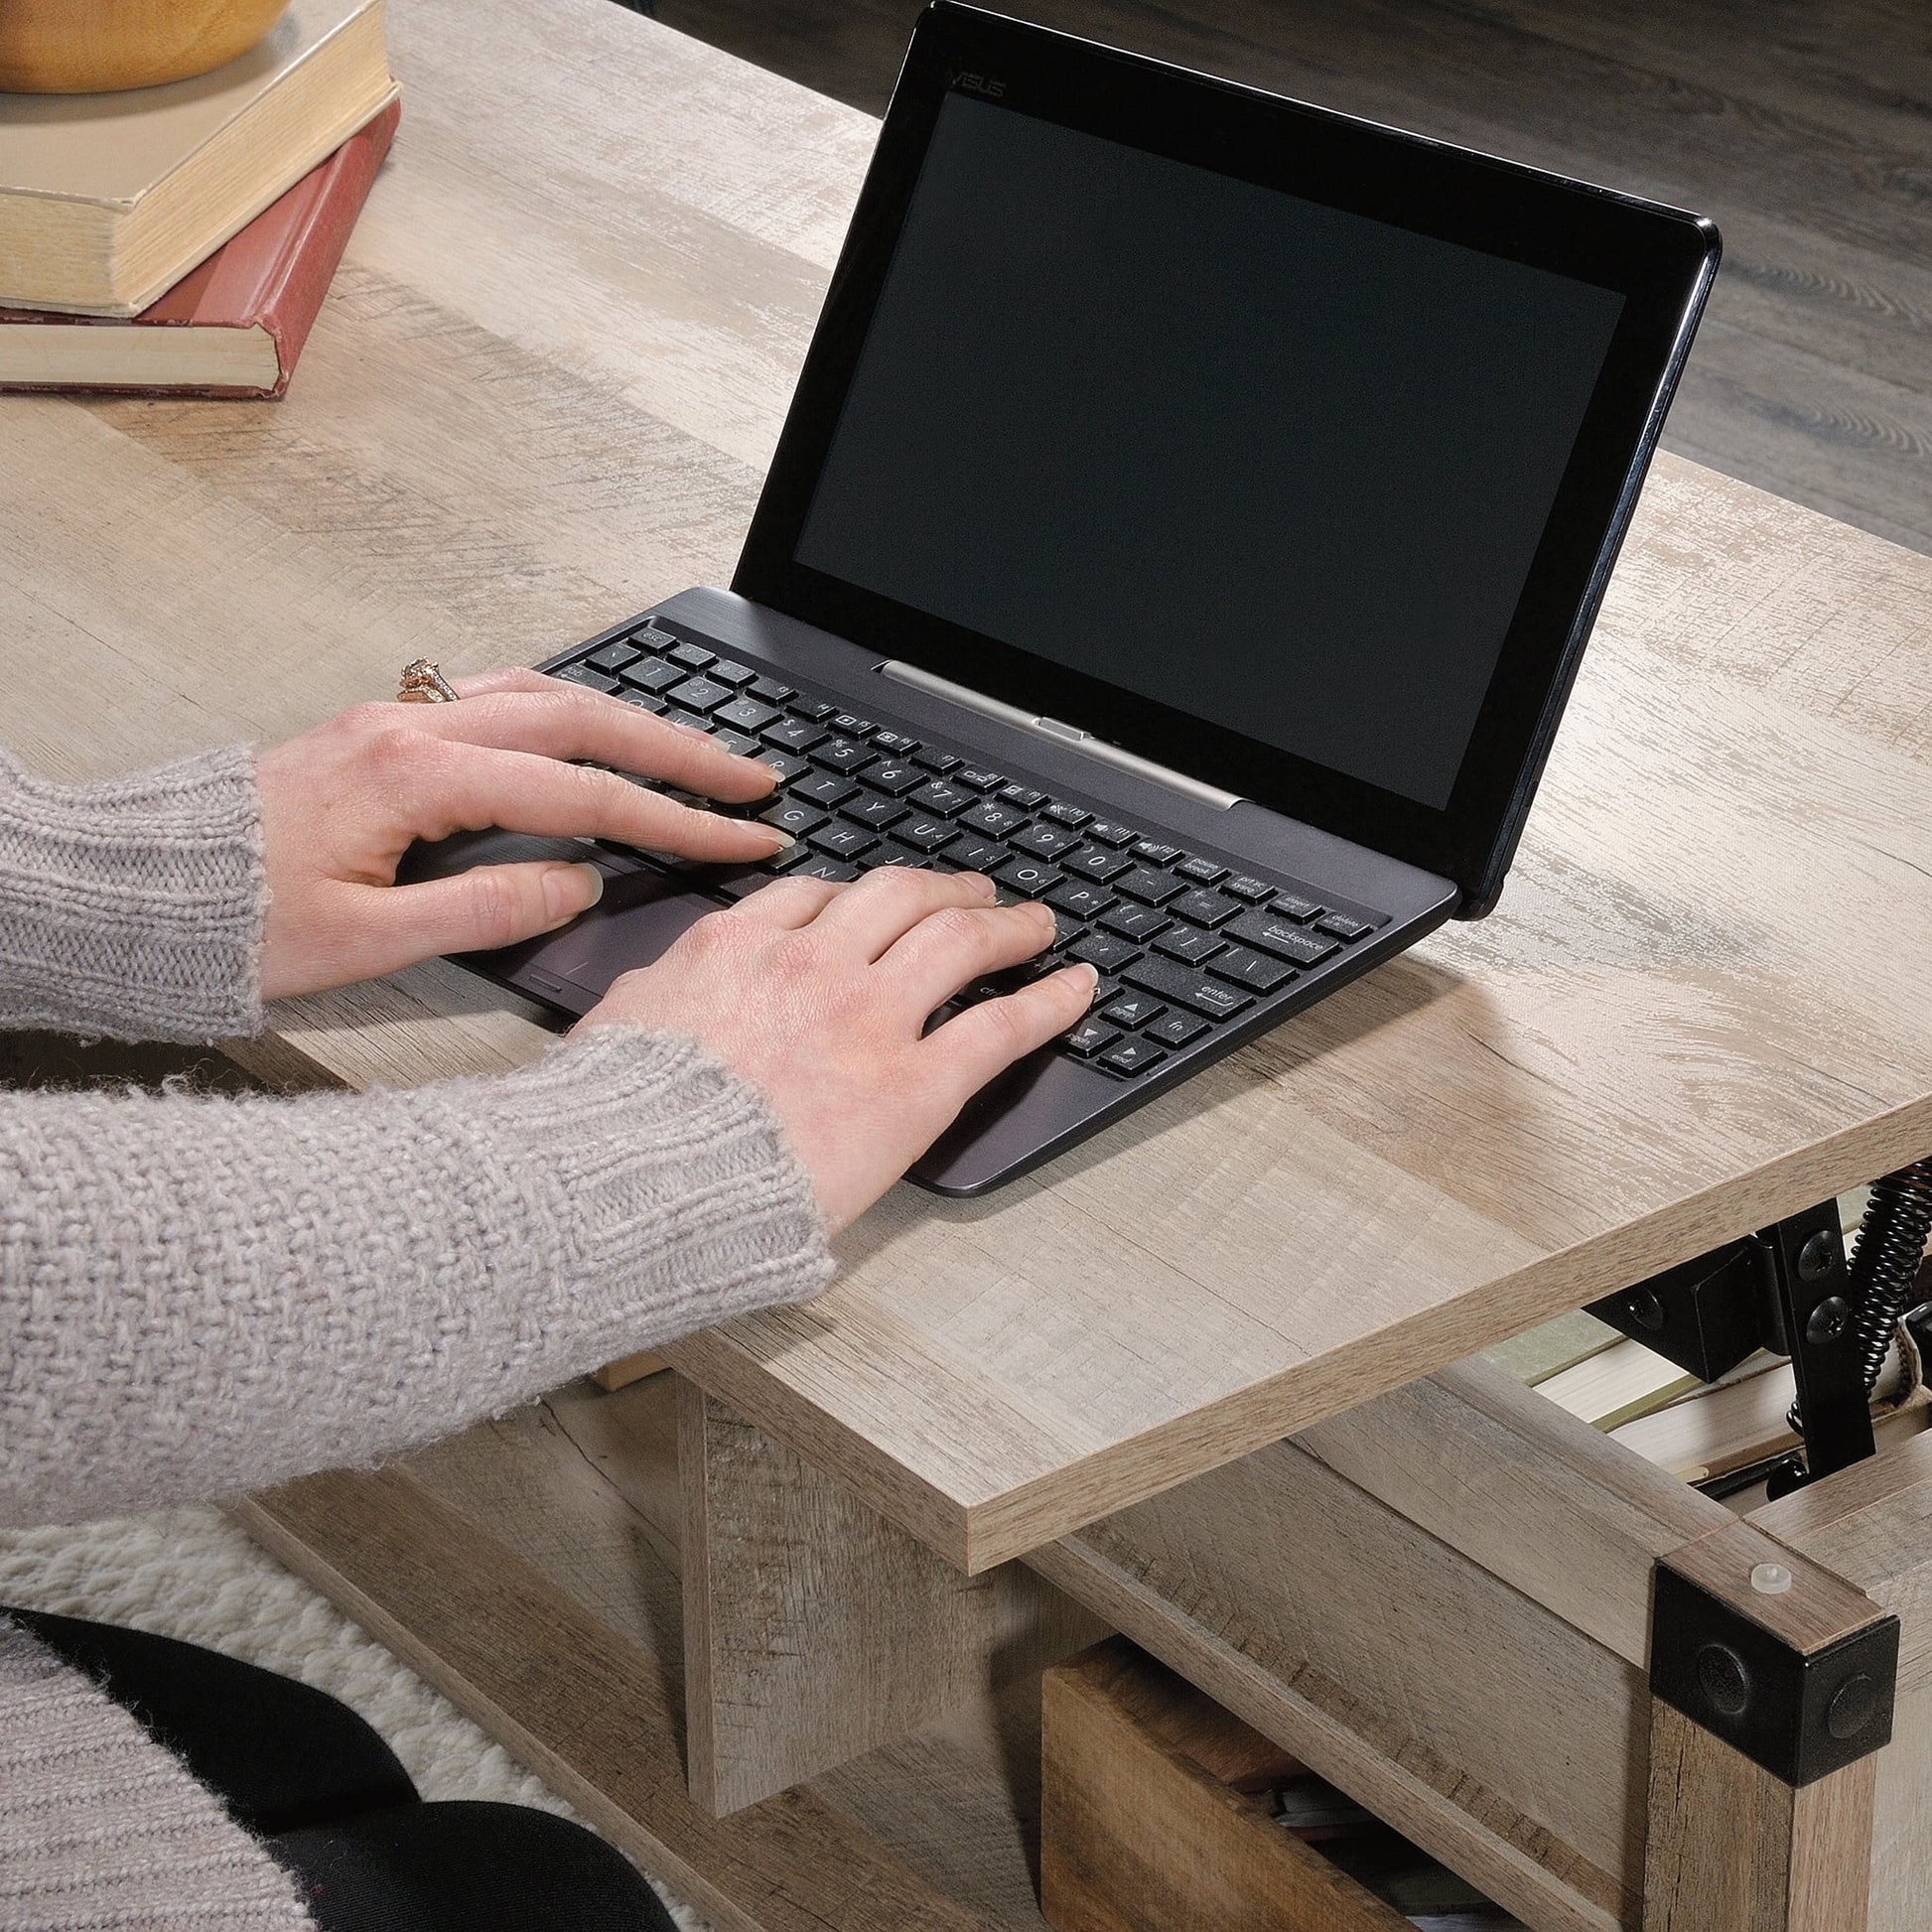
(1191, 513)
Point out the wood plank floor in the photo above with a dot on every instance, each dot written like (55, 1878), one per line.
(1803, 127)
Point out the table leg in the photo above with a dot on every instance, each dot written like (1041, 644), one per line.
(814, 1629)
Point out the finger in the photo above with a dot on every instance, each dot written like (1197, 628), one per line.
(789, 903)
(565, 721)
(471, 911)
(466, 788)
(987, 1039)
(885, 905)
(960, 944)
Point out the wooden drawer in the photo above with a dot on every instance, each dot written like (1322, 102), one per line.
(1142, 1829)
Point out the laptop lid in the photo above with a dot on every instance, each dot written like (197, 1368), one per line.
(1281, 447)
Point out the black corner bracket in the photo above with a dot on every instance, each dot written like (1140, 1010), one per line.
(1801, 1716)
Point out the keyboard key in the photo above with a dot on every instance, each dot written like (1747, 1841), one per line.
(1097, 861)
(1155, 853)
(613, 657)
(736, 742)
(1150, 887)
(694, 657)
(847, 726)
(1105, 951)
(1246, 967)
(825, 788)
(940, 762)
(1083, 896)
(1203, 908)
(1341, 927)
(793, 815)
(1283, 939)
(925, 834)
(842, 841)
(792, 735)
(785, 764)
(584, 675)
(744, 714)
(1024, 796)
(700, 694)
(875, 809)
(654, 674)
(816, 709)
(1203, 871)
(1254, 891)
(728, 672)
(1067, 927)
(642, 699)
(768, 691)
(1294, 905)
(740, 885)
(840, 753)
(897, 742)
(1132, 1056)
(1089, 1038)
(1066, 815)
(977, 855)
(1134, 1010)
(979, 779)
(1187, 942)
(1105, 832)
(1033, 877)
(1135, 921)
(991, 818)
(1045, 841)
(819, 866)
(1177, 1029)
(889, 853)
(1178, 986)
(895, 775)
(938, 797)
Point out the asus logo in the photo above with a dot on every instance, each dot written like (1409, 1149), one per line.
(976, 84)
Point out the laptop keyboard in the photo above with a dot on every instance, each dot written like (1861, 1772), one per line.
(1184, 943)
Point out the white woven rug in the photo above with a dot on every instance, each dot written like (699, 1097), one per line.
(192, 1573)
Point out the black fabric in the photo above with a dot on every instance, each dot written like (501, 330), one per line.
(332, 1803)
(467, 1867)
(281, 1755)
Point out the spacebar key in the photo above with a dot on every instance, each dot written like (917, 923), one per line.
(1185, 988)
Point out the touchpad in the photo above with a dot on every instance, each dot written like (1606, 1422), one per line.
(637, 918)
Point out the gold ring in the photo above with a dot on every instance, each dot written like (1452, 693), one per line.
(422, 682)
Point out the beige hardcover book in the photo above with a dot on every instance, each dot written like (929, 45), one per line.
(1553, 1346)
(106, 201)
(1623, 1382)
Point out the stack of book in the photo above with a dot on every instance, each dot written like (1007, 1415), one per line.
(179, 239)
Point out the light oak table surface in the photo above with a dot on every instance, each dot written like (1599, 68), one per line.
(540, 396)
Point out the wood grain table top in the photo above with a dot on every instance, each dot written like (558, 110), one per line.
(540, 397)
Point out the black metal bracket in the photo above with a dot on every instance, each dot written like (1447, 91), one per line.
(1785, 1289)
(1799, 1716)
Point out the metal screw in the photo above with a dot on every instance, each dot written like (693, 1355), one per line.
(1855, 1707)
(1818, 1256)
(1771, 1578)
(1828, 1319)
(1643, 1306)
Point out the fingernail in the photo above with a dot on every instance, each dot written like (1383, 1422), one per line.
(985, 886)
(785, 839)
(1093, 977)
(564, 894)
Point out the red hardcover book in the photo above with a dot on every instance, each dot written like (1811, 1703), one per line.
(237, 323)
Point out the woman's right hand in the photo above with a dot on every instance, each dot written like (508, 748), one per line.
(819, 995)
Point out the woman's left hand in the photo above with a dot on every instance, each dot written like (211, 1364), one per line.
(341, 805)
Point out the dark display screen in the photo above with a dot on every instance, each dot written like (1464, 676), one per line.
(1276, 466)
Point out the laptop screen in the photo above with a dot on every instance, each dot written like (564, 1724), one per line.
(1276, 466)
(1279, 448)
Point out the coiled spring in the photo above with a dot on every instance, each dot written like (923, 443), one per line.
(1885, 1264)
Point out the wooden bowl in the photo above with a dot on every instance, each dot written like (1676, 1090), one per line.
(98, 47)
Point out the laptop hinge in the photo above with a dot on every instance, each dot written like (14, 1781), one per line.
(1069, 736)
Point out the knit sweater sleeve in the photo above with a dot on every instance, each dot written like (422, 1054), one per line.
(203, 1295)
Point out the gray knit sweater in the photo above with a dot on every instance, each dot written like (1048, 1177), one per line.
(204, 1296)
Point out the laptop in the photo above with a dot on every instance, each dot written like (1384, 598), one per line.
(1191, 513)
